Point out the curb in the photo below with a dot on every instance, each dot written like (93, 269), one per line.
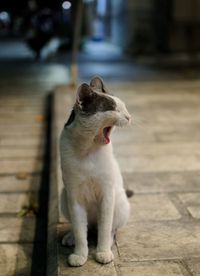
(61, 105)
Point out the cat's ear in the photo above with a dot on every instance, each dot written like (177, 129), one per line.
(84, 92)
(97, 84)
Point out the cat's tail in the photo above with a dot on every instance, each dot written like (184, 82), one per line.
(129, 193)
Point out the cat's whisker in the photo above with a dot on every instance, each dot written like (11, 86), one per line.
(137, 122)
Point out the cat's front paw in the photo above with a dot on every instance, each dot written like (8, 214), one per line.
(104, 257)
(76, 260)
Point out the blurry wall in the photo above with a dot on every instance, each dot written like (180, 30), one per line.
(140, 32)
(162, 26)
(119, 23)
(146, 27)
(185, 34)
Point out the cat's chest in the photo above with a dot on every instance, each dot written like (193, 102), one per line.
(95, 164)
(89, 191)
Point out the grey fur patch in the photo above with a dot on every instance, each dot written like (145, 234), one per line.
(96, 102)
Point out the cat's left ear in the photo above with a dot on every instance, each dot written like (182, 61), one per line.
(97, 84)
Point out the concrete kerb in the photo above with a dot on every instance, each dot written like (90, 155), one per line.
(61, 101)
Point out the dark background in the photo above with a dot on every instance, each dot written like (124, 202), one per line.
(146, 27)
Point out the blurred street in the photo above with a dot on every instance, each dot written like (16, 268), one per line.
(111, 64)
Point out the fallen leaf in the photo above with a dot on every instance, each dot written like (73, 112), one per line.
(40, 118)
(22, 175)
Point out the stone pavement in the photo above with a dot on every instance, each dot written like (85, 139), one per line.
(23, 172)
(160, 160)
(22, 139)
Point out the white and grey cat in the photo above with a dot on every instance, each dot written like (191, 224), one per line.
(93, 183)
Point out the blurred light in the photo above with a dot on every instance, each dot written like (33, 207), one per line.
(66, 5)
(88, 1)
(4, 16)
(101, 7)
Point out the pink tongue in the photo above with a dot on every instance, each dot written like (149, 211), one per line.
(106, 139)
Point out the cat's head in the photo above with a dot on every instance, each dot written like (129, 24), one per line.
(96, 106)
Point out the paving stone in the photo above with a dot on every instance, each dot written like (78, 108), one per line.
(20, 229)
(155, 86)
(159, 240)
(22, 99)
(16, 166)
(12, 183)
(21, 130)
(157, 149)
(153, 207)
(181, 136)
(25, 142)
(160, 92)
(10, 123)
(21, 152)
(190, 198)
(194, 211)
(176, 116)
(151, 269)
(20, 118)
(168, 127)
(194, 266)
(161, 182)
(10, 107)
(172, 105)
(15, 259)
(13, 203)
(159, 163)
(28, 110)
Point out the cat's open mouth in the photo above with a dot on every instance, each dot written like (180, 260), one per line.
(106, 135)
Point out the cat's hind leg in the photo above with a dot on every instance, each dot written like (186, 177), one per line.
(121, 211)
(63, 205)
(68, 239)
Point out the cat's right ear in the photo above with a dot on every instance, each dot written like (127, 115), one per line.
(98, 84)
(84, 92)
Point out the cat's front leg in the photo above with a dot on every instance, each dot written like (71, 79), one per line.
(104, 254)
(78, 218)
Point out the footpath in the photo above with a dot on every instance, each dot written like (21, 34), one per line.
(159, 156)
(22, 145)
(24, 175)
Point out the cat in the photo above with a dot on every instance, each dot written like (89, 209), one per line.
(94, 192)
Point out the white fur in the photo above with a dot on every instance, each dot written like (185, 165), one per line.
(93, 183)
